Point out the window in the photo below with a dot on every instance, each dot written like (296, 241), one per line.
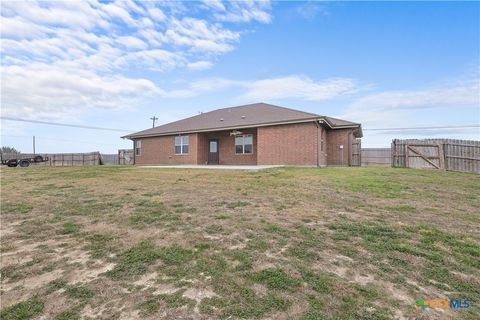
(138, 147)
(213, 146)
(181, 144)
(244, 144)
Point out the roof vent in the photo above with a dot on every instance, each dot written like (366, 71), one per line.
(221, 119)
(243, 117)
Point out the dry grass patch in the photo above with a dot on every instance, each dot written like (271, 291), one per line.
(286, 243)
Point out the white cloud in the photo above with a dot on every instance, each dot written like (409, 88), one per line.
(36, 32)
(298, 87)
(18, 27)
(201, 35)
(461, 95)
(200, 65)
(289, 87)
(389, 108)
(207, 85)
(55, 93)
(117, 12)
(243, 11)
(374, 118)
(156, 14)
(214, 4)
(310, 9)
(132, 42)
(155, 59)
(73, 14)
(61, 59)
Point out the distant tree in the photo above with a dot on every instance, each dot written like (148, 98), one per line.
(7, 149)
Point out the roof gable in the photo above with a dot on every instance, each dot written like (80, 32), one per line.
(335, 122)
(250, 115)
(246, 115)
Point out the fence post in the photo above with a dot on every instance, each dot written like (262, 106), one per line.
(392, 152)
(444, 155)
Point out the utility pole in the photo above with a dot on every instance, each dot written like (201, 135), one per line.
(153, 119)
(33, 144)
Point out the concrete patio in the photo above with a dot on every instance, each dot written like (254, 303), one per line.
(215, 167)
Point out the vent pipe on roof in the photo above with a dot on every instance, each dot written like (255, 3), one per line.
(243, 117)
(221, 119)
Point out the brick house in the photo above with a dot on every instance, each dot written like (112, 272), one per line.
(254, 134)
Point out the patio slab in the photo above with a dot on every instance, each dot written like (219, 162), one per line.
(214, 167)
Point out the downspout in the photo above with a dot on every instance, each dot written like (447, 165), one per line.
(318, 143)
(134, 156)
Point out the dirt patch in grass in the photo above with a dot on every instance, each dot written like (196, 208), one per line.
(285, 243)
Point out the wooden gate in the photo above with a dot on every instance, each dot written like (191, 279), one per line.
(125, 156)
(356, 156)
(425, 156)
(457, 155)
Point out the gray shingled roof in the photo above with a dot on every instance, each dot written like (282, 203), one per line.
(250, 115)
(335, 122)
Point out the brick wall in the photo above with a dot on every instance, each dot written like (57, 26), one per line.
(292, 144)
(226, 144)
(335, 155)
(161, 150)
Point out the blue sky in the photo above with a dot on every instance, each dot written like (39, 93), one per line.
(116, 64)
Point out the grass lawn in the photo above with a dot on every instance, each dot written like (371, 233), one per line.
(285, 243)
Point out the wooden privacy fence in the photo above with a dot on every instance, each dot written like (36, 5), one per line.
(448, 154)
(356, 154)
(125, 156)
(108, 159)
(61, 159)
(75, 159)
(378, 157)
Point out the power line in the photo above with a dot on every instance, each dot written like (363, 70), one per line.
(63, 124)
(123, 130)
(61, 140)
(425, 128)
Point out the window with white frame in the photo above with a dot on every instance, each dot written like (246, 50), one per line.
(244, 144)
(138, 147)
(181, 144)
